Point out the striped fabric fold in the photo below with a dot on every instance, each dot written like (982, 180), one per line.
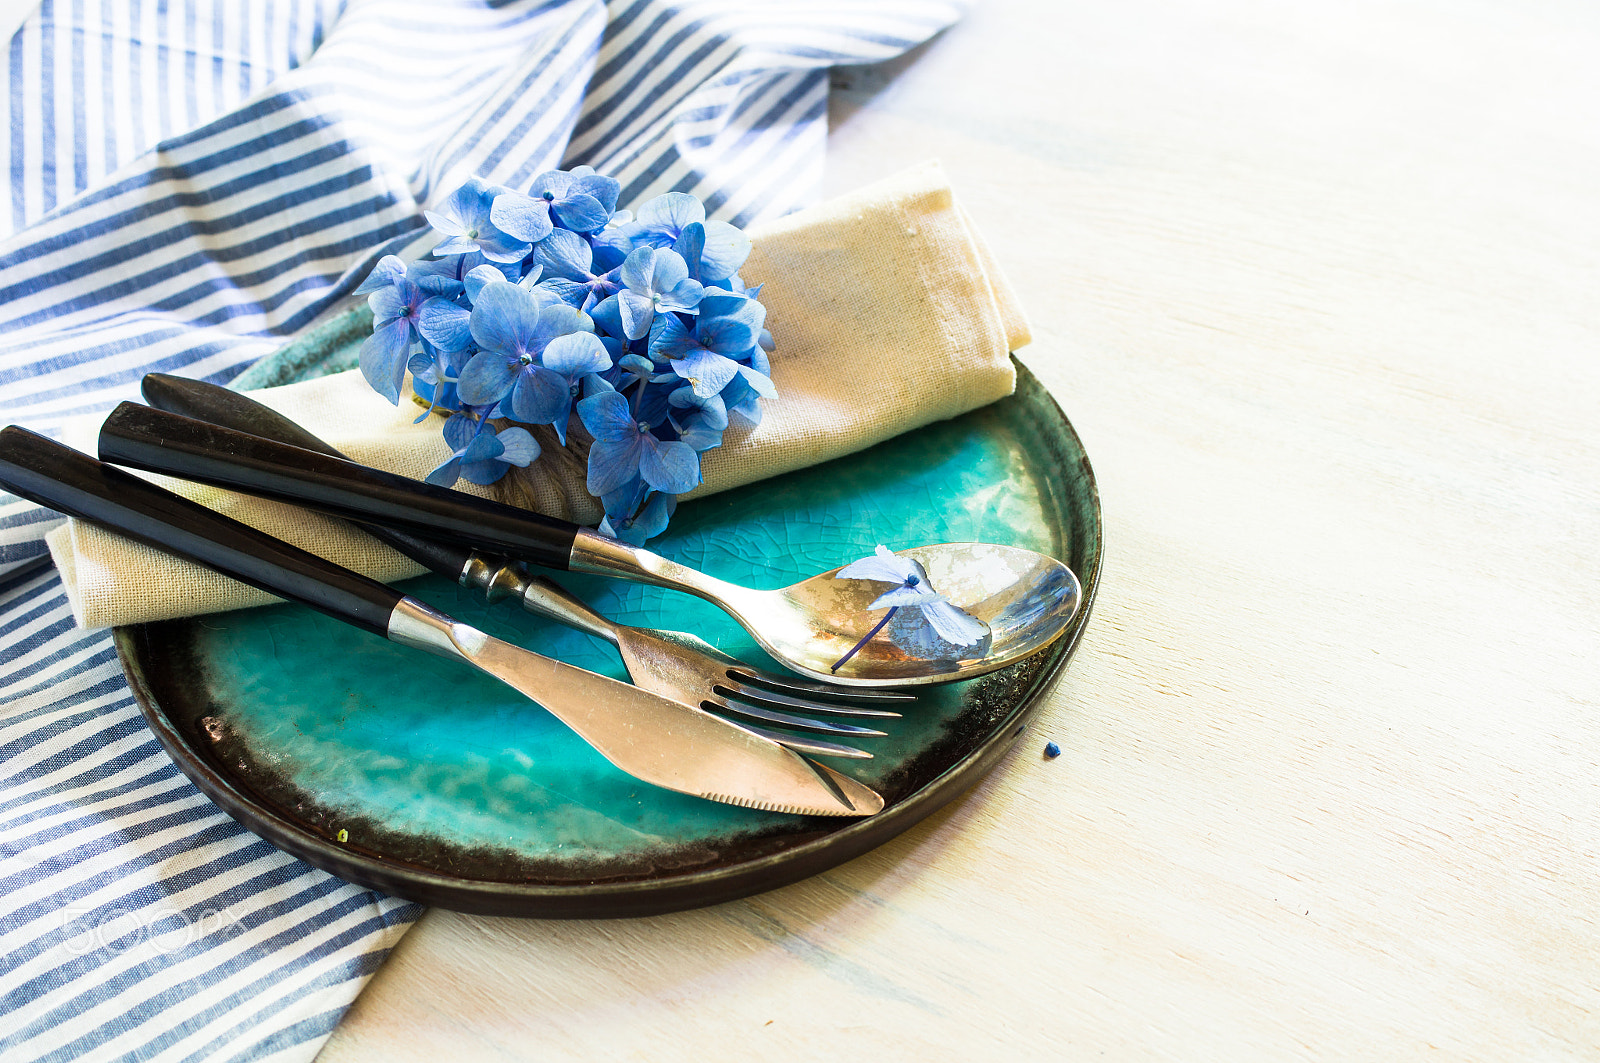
(192, 182)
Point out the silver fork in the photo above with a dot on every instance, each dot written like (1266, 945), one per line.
(679, 666)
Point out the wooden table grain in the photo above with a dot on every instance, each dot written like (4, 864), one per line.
(1317, 283)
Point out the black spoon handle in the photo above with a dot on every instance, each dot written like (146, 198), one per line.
(43, 471)
(221, 406)
(159, 441)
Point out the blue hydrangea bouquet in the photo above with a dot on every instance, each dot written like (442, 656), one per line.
(539, 305)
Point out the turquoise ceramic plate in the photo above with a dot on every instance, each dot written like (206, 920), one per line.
(420, 778)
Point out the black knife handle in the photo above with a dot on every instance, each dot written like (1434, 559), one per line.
(159, 441)
(43, 471)
(222, 406)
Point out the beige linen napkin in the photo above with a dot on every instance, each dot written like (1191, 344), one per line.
(888, 314)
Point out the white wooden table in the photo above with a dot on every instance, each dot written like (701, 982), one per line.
(1319, 285)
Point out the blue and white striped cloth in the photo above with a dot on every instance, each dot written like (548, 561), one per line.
(191, 182)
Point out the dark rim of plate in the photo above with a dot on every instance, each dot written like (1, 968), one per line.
(693, 889)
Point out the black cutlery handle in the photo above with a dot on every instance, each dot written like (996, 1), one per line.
(158, 441)
(221, 406)
(43, 471)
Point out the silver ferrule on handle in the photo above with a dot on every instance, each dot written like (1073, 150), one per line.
(592, 552)
(497, 581)
(542, 597)
(422, 627)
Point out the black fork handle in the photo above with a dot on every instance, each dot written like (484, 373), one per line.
(44, 471)
(218, 405)
(163, 442)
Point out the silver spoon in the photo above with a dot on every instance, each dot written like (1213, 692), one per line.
(1026, 598)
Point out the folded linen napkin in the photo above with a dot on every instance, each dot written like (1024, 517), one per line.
(888, 314)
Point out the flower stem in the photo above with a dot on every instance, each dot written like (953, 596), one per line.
(865, 639)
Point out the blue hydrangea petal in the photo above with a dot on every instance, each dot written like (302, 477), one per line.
(669, 339)
(573, 293)
(576, 355)
(444, 224)
(520, 448)
(690, 245)
(684, 296)
(903, 596)
(387, 304)
(884, 565)
(952, 624)
(667, 270)
(613, 462)
(699, 435)
(649, 522)
(487, 379)
(444, 324)
(484, 473)
(672, 210)
(520, 216)
(742, 403)
(447, 474)
(638, 367)
(636, 269)
(607, 315)
(673, 467)
(623, 500)
(637, 312)
(478, 276)
(607, 417)
(565, 254)
(497, 247)
(612, 246)
(458, 431)
(726, 249)
(383, 358)
(504, 318)
(714, 412)
(594, 384)
(725, 335)
(747, 312)
(440, 276)
(551, 185)
(580, 212)
(463, 202)
(604, 190)
(540, 396)
(717, 303)
(482, 446)
(456, 245)
(386, 272)
(559, 319)
(759, 382)
(707, 371)
(759, 361)
(608, 257)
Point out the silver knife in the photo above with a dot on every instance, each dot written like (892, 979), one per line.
(675, 746)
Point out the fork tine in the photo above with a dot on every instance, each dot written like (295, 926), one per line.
(773, 700)
(806, 686)
(805, 744)
(787, 719)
